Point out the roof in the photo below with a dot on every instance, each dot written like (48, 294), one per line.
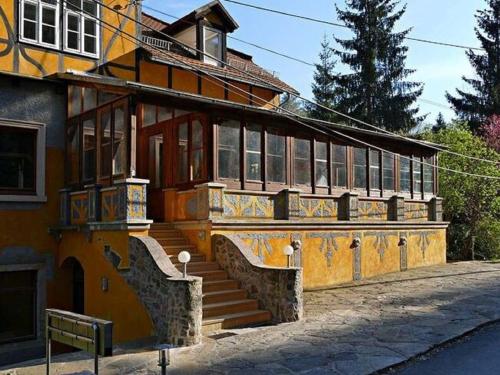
(153, 22)
(212, 7)
(204, 103)
(237, 68)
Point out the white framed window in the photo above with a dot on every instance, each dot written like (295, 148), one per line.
(81, 28)
(39, 22)
(22, 161)
(212, 46)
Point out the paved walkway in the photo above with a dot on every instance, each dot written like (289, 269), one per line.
(354, 329)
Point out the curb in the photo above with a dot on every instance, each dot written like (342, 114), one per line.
(434, 348)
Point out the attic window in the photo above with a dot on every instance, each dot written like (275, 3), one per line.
(212, 46)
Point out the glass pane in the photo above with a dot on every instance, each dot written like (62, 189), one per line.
(148, 115)
(119, 141)
(90, 6)
(428, 175)
(89, 151)
(49, 16)
(276, 147)
(73, 40)
(197, 162)
(302, 161)
(388, 171)
(156, 160)
(30, 12)
(253, 152)
(17, 305)
(164, 113)
(321, 163)
(29, 30)
(229, 150)
(90, 27)
(417, 177)
(375, 169)
(48, 34)
(74, 4)
(89, 44)
(17, 158)
(404, 174)
(104, 97)
(89, 98)
(339, 165)
(182, 149)
(73, 22)
(359, 167)
(213, 45)
(197, 130)
(197, 150)
(73, 154)
(105, 143)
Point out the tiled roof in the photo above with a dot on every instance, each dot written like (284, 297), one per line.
(235, 70)
(153, 22)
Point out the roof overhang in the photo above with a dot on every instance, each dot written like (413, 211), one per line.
(206, 103)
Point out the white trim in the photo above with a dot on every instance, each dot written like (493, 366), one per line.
(39, 195)
(81, 30)
(39, 24)
(207, 58)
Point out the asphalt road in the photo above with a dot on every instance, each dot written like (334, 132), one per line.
(477, 354)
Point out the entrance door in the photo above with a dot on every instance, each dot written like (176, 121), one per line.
(78, 289)
(155, 170)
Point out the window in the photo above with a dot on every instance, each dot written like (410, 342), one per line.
(212, 46)
(89, 150)
(182, 152)
(83, 99)
(40, 22)
(18, 303)
(404, 174)
(302, 161)
(197, 147)
(105, 121)
(429, 175)
(152, 114)
(374, 169)
(156, 160)
(81, 27)
(359, 167)
(253, 153)
(321, 163)
(229, 150)
(22, 161)
(388, 162)
(119, 140)
(339, 164)
(276, 149)
(417, 175)
(72, 153)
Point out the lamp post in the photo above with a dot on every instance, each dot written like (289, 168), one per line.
(164, 358)
(288, 251)
(184, 257)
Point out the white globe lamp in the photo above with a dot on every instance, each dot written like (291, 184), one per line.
(184, 257)
(288, 251)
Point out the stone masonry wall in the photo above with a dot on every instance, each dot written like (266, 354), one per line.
(174, 304)
(278, 290)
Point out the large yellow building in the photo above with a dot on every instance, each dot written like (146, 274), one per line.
(125, 140)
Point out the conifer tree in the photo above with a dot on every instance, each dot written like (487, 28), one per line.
(377, 91)
(323, 87)
(483, 100)
(440, 123)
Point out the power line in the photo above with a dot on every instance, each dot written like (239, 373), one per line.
(441, 148)
(345, 27)
(292, 117)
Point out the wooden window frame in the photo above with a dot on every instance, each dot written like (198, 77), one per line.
(272, 185)
(248, 184)
(231, 183)
(388, 192)
(312, 144)
(321, 189)
(363, 191)
(371, 191)
(334, 188)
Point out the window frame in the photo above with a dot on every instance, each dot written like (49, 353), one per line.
(241, 150)
(371, 167)
(39, 24)
(273, 185)
(81, 31)
(38, 195)
(334, 183)
(209, 59)
(249, 183)
(363, 189)
(307, 188)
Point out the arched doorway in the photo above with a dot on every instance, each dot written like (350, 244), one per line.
(76, 288)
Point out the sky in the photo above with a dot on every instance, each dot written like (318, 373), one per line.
(439, 68)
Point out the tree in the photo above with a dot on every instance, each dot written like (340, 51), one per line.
(484, 98)
(491, 132)
(440, 123)
(376, 90)
(323, 87)
(471, 204)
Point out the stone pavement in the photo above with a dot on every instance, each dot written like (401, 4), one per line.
(354, 329)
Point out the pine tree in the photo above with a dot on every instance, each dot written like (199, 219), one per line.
(440, 123)
(323, 87)
(484, 100)
(377, 90)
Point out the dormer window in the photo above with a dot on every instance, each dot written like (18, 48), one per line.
(212, 45)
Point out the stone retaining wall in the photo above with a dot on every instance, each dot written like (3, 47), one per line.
(173, 303)
(278, 290)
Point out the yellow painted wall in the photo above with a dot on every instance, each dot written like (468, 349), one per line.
(184, 80)
(119, 304)
(239, 96)
(212, 88)
(154, 74)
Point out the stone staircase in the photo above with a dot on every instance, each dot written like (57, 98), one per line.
(225, 305)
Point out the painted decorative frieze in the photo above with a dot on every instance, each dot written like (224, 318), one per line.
(261, 242)
(372, 210)
(416, 211)
(244, 205)
(319, 208)
(79, 207)
(424, 240)
(381, 241)
(328, 244)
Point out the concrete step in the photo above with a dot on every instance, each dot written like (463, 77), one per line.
(242, 319)
(176, 249)
(174, 241)
(219, 285)
(161, 226)
(198, 266)
(224, 296)
(195, 258)
(210, 275)
(229, 307)
(164, 233)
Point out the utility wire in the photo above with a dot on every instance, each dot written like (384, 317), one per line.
(434, 146)
(344, 26)
(323, 130)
